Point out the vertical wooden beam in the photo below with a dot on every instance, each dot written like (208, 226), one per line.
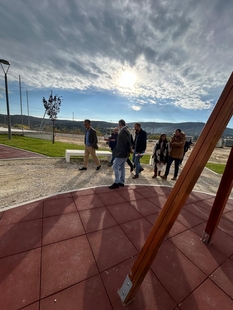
(220, 201)
(204, 147)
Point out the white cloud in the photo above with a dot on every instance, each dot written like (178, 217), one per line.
(136, 107)
(193, 104)
(176, 51)
(151, 101)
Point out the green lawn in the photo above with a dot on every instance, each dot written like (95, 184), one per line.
(40, 146)
(144, 160)
(218, 168)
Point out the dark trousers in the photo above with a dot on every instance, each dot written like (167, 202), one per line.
(170, 161)
(129, 162)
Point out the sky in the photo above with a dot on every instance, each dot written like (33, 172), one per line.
(143, 61)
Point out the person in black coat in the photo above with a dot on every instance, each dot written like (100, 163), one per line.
(139, 148)
(112, 144)
(121, 153)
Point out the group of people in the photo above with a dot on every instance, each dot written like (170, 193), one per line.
(123, 145)
(165, 152)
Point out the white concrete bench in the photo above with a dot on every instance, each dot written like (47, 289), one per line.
(81, 153)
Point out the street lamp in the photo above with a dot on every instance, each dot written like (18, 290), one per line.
(5, 62)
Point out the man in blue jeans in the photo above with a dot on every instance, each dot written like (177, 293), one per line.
(139, 148)
(121, 153)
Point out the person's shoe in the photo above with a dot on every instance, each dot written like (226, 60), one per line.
(121, 184)
(131, 169)
(83, 168)
(135, 176)
(141, 170)
(98, 168)
(164, 177)
(114, 185)
(173, 179)
(154, 176)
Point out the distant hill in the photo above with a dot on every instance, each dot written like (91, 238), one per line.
(190, 128)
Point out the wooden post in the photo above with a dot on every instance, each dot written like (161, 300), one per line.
(204, 147)
(220, 201)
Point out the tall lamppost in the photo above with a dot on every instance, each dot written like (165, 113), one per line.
(5, 62)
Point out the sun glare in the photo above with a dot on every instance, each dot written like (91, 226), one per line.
(127, 79)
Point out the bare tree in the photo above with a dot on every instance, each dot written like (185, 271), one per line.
(52, 108)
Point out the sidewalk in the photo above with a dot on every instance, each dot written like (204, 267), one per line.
(9, 152)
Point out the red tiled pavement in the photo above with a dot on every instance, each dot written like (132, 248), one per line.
(74, 250)
(9, 152)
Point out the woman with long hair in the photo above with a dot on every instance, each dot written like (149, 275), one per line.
(160, 154)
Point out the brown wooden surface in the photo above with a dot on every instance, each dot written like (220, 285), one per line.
(204, 147)
(221, 198)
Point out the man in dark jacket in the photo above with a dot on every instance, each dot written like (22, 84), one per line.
(139, 148)
(90, 141)
(121, 153)
(112, 144)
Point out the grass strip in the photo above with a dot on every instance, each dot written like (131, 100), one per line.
(40, 146)
(218, 168)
